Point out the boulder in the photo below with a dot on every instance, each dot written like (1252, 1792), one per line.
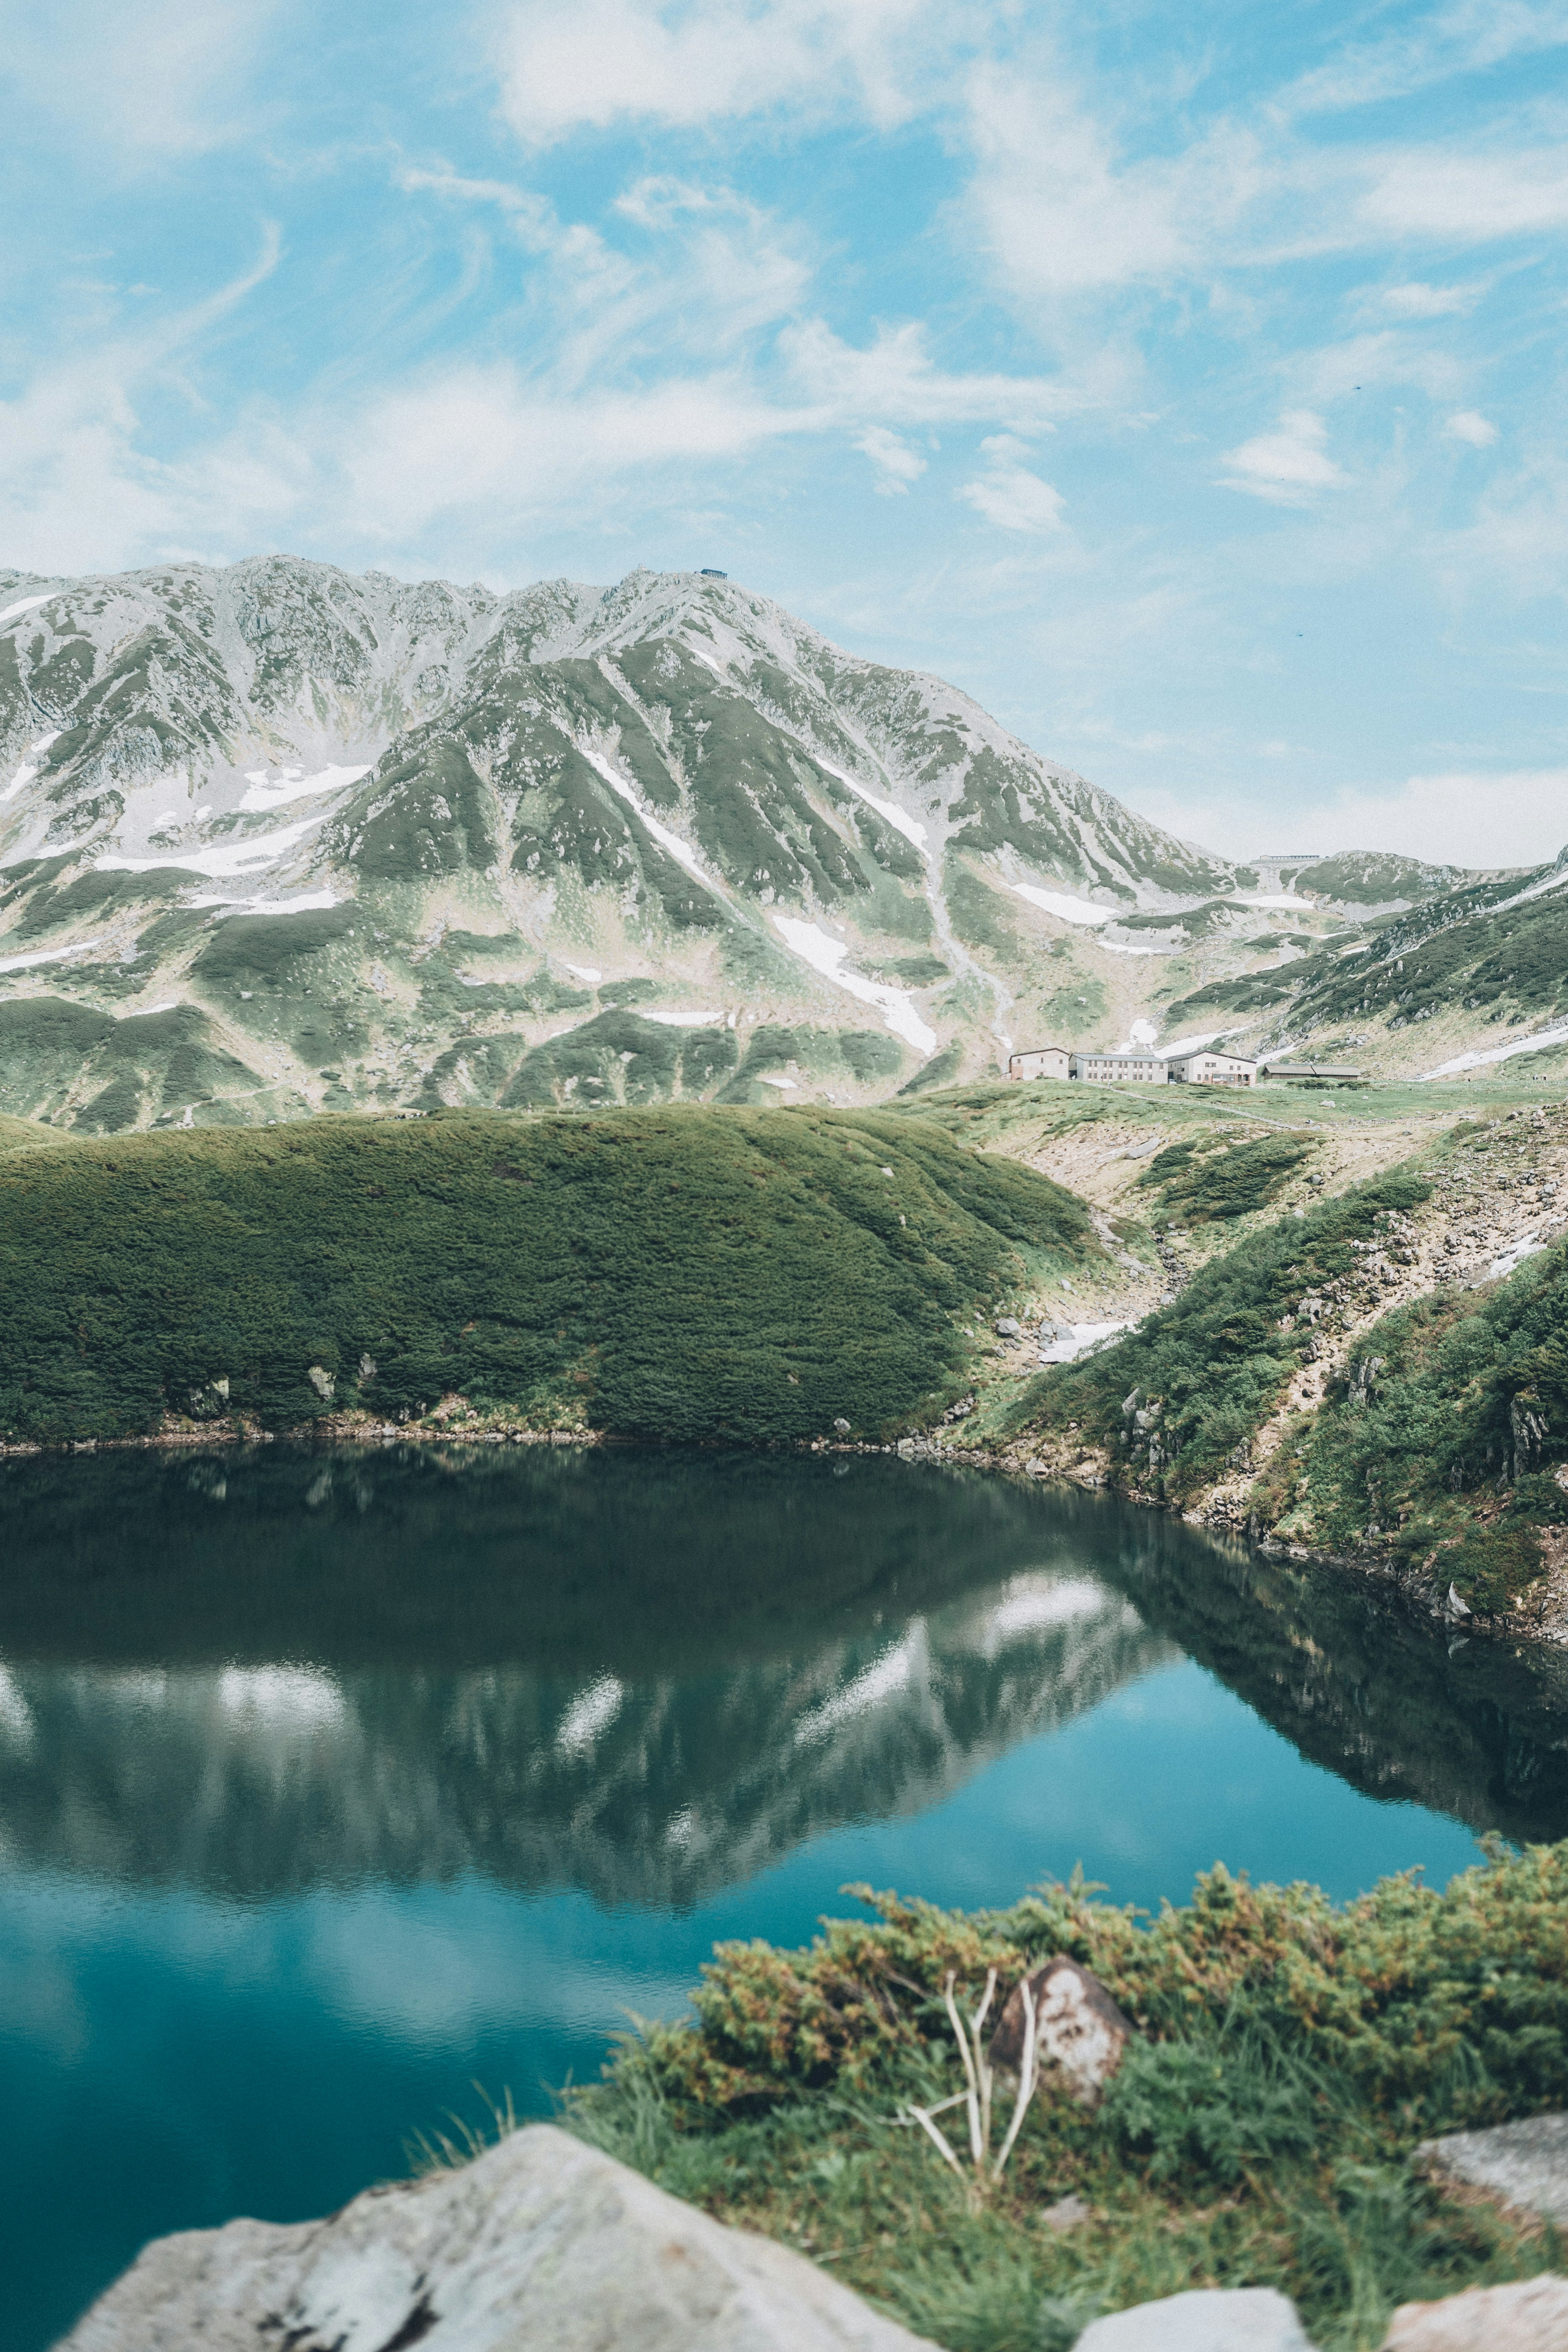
(1530, 2316)
(1523, 2163)
(540, 2245)
(1209, 2319)
(1079, 2026)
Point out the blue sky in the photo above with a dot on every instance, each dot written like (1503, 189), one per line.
(1187, 384)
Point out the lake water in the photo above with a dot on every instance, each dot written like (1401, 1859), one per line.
(332, 1784)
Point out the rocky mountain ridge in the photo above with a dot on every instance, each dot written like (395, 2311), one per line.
(350, 842)
(276, 839)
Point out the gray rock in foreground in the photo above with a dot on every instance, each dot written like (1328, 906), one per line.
(1530, 2317)
(542, 2244)
(1525, 2164)
(1210, 2319)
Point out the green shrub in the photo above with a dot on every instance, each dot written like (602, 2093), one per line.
(1288, 2057)
(1494, 1565)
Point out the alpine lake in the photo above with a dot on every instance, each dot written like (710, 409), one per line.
(342, 1790)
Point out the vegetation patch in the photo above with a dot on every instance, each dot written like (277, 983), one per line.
(1442, 1435)
(748, 1276)
(1208, 1178)
(1289, 2057)
(1181, 1398)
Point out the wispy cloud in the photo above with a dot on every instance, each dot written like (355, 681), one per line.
(573, 65)
(896, 464)
(1289, 466)
(1468, 425)
(1434, 48)
(1009, 493)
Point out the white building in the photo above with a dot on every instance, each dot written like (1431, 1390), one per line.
(1209, 1070)
(1041, 1062)
(1111, 1070)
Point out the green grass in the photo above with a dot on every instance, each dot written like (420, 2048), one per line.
(1290, 2056)
(1443, 1434)
(1209, 1181)
(691, 1272)
(24, 1134)
(1216, 1363)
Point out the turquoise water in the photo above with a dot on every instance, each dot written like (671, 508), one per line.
(331, 1785)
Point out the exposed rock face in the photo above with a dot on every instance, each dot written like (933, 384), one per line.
(542, 2245)
(1528, 2316)
(1211, 2319)
(363, 841)
(1080, 2027)
(1524, 2164)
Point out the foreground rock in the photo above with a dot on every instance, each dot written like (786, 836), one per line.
(541, 2246)
(1078, 2026)
(1524, 2164)
(1530, 2316)
(1210, 2319)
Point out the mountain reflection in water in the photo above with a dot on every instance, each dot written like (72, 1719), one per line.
(648, 1676)
(565, 1669)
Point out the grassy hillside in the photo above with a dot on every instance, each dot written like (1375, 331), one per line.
(1208, 1369)
(24, 1134)
(692, 1273)
(1443, 1436)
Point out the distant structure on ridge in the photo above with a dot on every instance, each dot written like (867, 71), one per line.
(1203, 1067)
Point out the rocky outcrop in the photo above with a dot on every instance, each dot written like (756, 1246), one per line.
(1524, 2165)
(1530, 2316)
(1210, 2319)
(541, 2246)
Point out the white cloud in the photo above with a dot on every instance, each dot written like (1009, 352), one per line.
(1447, 42)
(570, 64)
(894, 377)
(896, 464)
(1009, 494)
(1437, 191)
(1063, 216)
(162, 80)
(1417, 302)
(1464, 816)
(1390, 356)
(1468, 425)
(1288, 468)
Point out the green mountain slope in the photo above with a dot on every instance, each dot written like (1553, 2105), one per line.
(435, 820)
(674, 1274)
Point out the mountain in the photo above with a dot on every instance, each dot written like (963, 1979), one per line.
(273, 838)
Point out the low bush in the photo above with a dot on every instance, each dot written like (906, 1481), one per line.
(1207, 1179)
(1289, 2056)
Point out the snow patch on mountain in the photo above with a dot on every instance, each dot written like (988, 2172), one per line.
(28, 605)
(230, 858)
(661, 832)
(1066, 909)
(825, 955)
(266, 795)
(910, 827)
(48, 955)
(26, 773)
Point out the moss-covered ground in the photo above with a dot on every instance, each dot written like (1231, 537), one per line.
(702, 1273)
(1289, 2057)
